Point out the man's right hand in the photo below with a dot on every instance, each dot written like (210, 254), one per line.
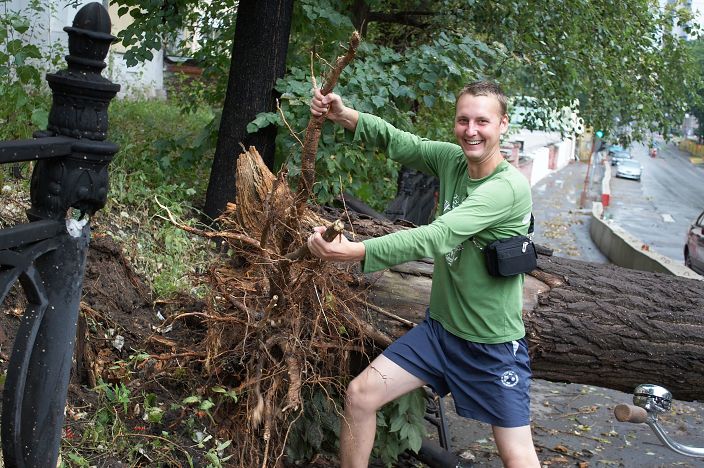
(331, 106)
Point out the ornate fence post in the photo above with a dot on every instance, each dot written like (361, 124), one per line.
(69, 184)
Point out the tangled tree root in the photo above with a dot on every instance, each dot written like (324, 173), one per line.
(281, 322)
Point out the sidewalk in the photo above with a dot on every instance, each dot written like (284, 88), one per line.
(560, 222)
(573, 424)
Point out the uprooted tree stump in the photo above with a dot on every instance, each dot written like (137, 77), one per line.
(295, 324)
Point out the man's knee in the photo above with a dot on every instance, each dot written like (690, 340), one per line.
(360, 396)
(520, 459)
(516, 447)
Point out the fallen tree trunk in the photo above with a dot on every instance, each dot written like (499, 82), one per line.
(593, 324)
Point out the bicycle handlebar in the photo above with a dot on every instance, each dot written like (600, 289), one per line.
(652, 400)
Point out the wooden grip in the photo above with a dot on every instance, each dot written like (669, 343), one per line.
(630, 413)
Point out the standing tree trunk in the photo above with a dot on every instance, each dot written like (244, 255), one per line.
(258, 60)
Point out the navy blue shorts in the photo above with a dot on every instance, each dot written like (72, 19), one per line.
(488, 382)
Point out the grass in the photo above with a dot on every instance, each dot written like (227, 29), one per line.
(154, 136)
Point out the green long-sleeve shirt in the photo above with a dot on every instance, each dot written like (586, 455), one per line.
(464, 298)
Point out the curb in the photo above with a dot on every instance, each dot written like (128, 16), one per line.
(625, 250)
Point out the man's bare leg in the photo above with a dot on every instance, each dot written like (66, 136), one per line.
(515, 445)
(381, 382)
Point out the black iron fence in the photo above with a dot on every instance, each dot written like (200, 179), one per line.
(47, 255)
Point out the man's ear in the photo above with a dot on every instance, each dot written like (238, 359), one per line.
(504, 123)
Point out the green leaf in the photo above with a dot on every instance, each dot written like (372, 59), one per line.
(397, 423)
(28, 75)
(379, 101)
(40, 118)
(155, 415)
(20, 24)
(206, 405)
(263, 120)
(415, 438)
(32, 51)
(404, 429)
(403, 402)
(14, 46)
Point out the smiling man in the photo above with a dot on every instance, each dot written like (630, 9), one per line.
(471, 343)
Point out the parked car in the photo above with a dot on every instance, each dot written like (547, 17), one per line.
(615, 149)
(694, 246)
(629, 169)
(618, 156)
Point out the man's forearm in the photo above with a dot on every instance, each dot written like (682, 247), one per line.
(347, 119)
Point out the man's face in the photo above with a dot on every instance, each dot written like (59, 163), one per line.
(478, 127)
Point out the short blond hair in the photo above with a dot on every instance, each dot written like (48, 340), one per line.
(485, 88)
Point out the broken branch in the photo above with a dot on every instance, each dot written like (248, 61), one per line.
(332, 231)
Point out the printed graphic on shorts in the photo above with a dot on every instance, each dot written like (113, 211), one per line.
(452, 256)
(509, 379)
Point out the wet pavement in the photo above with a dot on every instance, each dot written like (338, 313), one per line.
(573, 424)
(561, 222)
(659, 209)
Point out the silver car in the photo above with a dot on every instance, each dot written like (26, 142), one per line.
(694, 247)
(618, 156)
(629, 169)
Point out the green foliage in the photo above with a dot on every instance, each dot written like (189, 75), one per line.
(226, 393)
(617, 65)
(152, 411)
(117, 430)
(203, 404)
(384, 82)
(613, 68)
(116, 395)
(622, 61)
(697, 98)
(24, 103)
(317, 428)
(163, 157)
(400, 427)
(171, 24)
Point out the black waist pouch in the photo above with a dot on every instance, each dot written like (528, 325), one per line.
(509, 257)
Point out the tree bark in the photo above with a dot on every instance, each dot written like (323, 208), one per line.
(258, 60)
(603, 325)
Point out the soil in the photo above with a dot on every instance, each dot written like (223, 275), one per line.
(116, 303)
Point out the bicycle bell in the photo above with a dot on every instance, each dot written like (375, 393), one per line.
(652, 398)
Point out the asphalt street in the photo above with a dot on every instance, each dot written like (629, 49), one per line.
(659, 209)
(573, 424)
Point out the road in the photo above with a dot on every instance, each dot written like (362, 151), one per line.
(659, 209)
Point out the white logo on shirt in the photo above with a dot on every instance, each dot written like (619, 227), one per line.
(452, 256)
